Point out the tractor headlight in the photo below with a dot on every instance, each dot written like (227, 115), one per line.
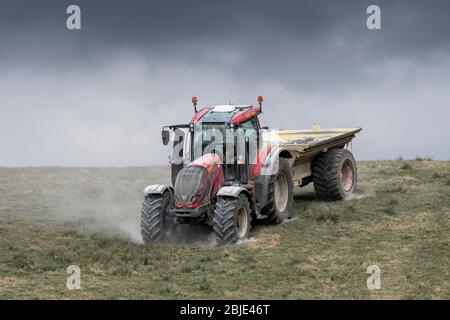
(195, 197)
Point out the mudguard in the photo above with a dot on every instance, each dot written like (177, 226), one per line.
(269, 168)
(157, 189)
(231, 191)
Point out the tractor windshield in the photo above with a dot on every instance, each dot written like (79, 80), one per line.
(209, 137)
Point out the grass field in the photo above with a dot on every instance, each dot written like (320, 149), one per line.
(51, 218)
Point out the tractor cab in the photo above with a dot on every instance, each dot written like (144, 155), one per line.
(233, 132)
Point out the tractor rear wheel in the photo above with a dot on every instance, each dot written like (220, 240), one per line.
(232, 219)
(334, 174)
(155, 223)
(281, 194)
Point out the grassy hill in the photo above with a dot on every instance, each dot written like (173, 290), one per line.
(51, 218)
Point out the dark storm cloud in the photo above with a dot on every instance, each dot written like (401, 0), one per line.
(161, 24)
(76, 97)
(324, 39)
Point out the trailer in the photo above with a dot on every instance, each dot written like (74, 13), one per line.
(306, 145)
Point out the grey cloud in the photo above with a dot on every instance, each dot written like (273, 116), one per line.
(99, 96)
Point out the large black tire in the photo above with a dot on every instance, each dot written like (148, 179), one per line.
(278, 212)
(154, 220)
(232, 219)
(334, 174)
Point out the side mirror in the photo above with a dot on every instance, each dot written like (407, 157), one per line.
(165, 137)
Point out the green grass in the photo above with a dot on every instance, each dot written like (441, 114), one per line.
(399, 220)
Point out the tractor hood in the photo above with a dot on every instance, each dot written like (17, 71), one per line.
(194, 183)
(190, 186)
(207, 161)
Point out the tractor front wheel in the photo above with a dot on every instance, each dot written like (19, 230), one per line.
(232, 219)
(155, 224)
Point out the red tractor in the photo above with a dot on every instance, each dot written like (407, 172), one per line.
(228, 171)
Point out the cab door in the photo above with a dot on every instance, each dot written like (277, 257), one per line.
(180, 155)
(248, 147)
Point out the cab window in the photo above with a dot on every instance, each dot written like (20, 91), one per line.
(249, 125)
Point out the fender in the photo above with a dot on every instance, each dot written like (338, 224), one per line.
(265, 161)
(231, 191)
(269, 165)
(157, 189)
(269, 168)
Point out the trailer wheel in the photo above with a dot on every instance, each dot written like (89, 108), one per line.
(334, 174)
(281, 194)
(232, 219)
(154, 220)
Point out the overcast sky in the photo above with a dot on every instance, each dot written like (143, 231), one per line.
(100, 95)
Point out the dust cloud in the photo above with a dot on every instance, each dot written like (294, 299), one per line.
(109, 201)
(357, 196)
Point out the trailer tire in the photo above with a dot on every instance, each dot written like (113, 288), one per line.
(155, 224)
(334, 174)
(281, 194)
(232, 220)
